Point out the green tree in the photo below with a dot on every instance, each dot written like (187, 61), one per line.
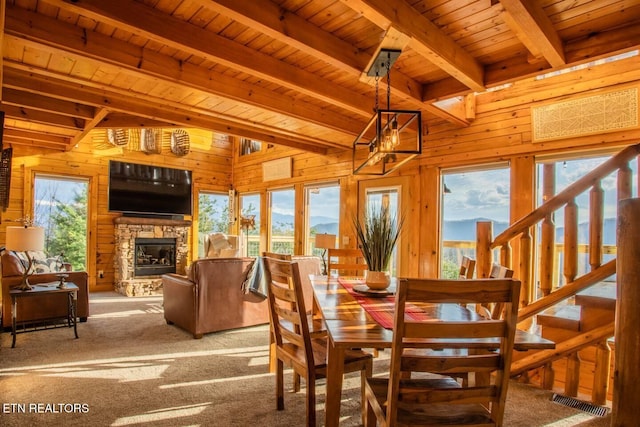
(213, 215)
(68, 234)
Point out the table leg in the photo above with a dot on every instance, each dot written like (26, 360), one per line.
(335, 373)
(73, 298)
(14, 317)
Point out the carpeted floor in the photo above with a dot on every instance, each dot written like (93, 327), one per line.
(130, 368)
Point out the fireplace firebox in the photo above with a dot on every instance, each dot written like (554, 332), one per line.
(154, 256)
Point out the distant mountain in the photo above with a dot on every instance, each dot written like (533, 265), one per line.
(608, 230)
(465, 229)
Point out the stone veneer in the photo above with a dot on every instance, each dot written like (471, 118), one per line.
(126, 231)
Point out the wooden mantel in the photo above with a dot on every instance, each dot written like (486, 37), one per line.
(152, 221)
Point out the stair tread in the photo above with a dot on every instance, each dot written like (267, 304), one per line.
(562, 317)
(602, 295)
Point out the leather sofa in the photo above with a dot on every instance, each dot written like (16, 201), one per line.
(44, 307)
(213, 295)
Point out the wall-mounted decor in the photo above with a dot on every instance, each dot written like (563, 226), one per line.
(605, 112)
(180, 142)
(276, 169)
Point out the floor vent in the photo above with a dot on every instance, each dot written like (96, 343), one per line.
(599, 411)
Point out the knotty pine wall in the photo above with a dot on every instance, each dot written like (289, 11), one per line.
(500, 132)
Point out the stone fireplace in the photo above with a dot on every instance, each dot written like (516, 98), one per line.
(146, 248)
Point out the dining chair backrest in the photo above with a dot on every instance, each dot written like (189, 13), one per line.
(500, 272)
(349, 261)
(295, 345)
(497, 272)
(442, 400)
(467, 268)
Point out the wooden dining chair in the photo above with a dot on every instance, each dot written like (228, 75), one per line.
(348, 261)
(498, 271)
(467, 268)
(294, 345)
(432, 397)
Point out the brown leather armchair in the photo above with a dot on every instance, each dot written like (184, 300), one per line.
(39, 308)
(210, 297)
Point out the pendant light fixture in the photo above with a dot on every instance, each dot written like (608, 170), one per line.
(391, 137)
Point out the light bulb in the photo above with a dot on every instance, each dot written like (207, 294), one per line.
(395, 134)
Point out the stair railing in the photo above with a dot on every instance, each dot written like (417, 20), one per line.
(551, 293)
(522, 228)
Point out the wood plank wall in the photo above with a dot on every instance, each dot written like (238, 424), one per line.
(501, 132)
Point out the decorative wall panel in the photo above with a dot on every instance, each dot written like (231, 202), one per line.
(605, 112)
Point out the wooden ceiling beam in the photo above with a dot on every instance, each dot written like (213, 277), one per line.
(41, 102)
(534, 29)
(39, 137)
(268, 18)
(91, 124)
(180, 35)
(17, 76)
(64, 39)
(37, 116)
(427, 39)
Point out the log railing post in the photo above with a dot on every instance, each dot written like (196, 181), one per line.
(527, 292)
(548, 231)
(625, 177)
(484, 257)
(572, 375)
(596, 221)
(626, 387)
(570, 241)
(601, 374)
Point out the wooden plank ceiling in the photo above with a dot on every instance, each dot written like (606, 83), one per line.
(290, 72)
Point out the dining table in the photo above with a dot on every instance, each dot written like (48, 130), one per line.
(361, 319)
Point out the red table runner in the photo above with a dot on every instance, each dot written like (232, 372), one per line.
(381, 309)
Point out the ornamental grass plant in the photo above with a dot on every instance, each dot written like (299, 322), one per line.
(377, 232)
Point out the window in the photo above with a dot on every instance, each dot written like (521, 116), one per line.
(470, 196)
(61, 206)
(322, 214)
(389, 197)
(281, 220)
(250, 236)
(213, 216)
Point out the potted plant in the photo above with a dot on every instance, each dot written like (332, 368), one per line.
(377, 233)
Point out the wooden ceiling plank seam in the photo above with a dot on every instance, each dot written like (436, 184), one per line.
(198, 41)
(100, 48)
(535, 29)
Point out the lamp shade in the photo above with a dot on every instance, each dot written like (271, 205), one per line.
(325, 241)
(22, 239)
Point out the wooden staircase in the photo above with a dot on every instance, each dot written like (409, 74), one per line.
(578, 316)
(586, 373)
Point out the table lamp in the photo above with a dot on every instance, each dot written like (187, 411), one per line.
(25, 239)
(325, 241)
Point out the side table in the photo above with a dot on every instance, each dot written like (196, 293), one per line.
(42, 289)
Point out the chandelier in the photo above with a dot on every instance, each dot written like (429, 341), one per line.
(391, 137)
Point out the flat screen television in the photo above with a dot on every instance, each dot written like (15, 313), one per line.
(146, 190)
